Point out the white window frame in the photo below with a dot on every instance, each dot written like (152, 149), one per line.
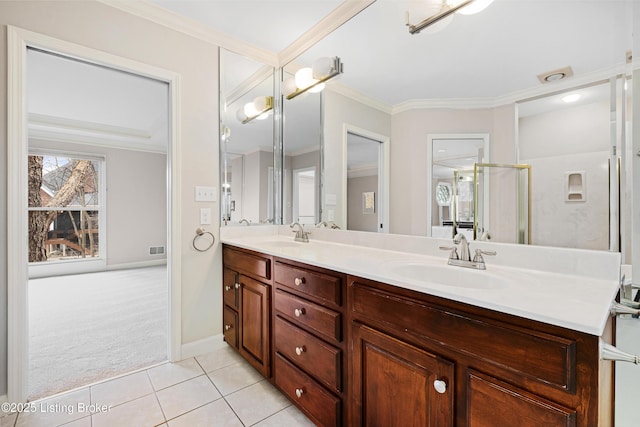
(78, 265)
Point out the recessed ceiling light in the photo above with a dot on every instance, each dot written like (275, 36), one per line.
(555, 75)
(571, 97)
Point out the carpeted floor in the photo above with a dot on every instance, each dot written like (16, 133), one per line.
(88, 327)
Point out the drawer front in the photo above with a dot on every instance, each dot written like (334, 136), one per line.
(230, 326)
(302, 312)
(542, 357)
(318, 285)
(314, 356)
(323, 407)
(247, 263)
(230, 288)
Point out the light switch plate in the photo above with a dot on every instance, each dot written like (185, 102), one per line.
(205, 194)
(205, 216)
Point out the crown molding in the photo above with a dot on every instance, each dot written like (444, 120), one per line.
(154, 13)
(360, 97)
(246, 86)
(337, 17)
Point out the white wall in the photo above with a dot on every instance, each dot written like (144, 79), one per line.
(568, 140)
(101, 27)
(338, 111)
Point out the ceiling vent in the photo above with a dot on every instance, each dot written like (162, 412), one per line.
(555, 75)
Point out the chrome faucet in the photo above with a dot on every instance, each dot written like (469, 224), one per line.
(464, 258)
(301, 235)
(245, 221)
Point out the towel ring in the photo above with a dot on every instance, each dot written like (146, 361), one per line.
(199, 233)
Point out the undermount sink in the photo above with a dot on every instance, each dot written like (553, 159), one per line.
(446, 275)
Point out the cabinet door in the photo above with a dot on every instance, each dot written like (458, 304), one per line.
(230, 326)
(492, 403)
(255, 301)
(394, 383)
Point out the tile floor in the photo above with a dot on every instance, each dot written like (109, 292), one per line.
(215, 389)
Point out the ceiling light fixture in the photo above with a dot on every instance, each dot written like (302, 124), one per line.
(258, 109)
(555, 75)
(571, 98)
(447, 9)
(312, 79)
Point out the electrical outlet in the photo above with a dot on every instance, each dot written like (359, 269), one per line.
(205, 216)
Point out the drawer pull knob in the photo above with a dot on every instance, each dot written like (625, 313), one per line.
(227, 327)
(227, 288)
(298, 281)
(299, 312)
(440, 386)
(299, 392)
(300, 350)
(237, 285)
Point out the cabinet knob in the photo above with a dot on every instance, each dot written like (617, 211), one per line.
(299, 392)
(237, 285)
(299, 312)
(298, 281)
(440, 386)
(227, 327)
(227, 288)
(300, 350)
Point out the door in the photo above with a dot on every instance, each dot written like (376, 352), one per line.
(397, 384)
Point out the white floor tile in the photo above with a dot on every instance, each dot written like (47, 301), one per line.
(121, 389)
(186, 396)
(169, 374)
(82, 422)
(287, 417)
(142, 412)
(57, 410)
(235, 377)
(219, 358)
(217, 413)
(7, 420)
(257, 402)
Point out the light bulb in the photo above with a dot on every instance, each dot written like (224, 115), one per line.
(263, 116)
(419, 11)
(571, 98)
(260, 103)
(240, 115)
(317, 88)
(475, 7)
(304, 78)
(322, 67)
(288, 87)
(250, 109)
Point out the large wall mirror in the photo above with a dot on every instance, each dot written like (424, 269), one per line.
(246, 141)
(469, 77)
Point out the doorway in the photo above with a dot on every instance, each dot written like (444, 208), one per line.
(366, 184)
(28, 131)
(304, 196)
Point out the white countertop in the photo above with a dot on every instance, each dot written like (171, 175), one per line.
(563, 287)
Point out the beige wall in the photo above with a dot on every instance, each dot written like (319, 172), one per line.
(103, 28)
(356, 219)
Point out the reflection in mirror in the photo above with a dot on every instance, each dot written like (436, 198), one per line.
(363, 183)
(302, 157)
(246, 140)
(408, 86)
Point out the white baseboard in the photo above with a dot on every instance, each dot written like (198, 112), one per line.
(3, 398)
(205, 345)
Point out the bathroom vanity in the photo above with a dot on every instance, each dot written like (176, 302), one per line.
(355, 335)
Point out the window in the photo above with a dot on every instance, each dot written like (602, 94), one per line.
(65, 207)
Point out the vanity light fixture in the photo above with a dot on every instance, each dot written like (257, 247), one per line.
(447, 9)
(312, 79)
(258, 109)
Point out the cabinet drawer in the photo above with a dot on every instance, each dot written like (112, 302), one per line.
(230, 288)
(309, 353)
(489, 400)
(302, 312)
(230, 326)
(247, 263)
(318, 285)
(539, 356)
(322, 407)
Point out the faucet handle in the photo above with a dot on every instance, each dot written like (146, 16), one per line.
(453, 249)
(479, 252)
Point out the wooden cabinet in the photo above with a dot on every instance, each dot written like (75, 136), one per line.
(499, 370)
(310, 349)
(247, 306)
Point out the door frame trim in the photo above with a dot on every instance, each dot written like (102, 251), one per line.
(18, 40)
